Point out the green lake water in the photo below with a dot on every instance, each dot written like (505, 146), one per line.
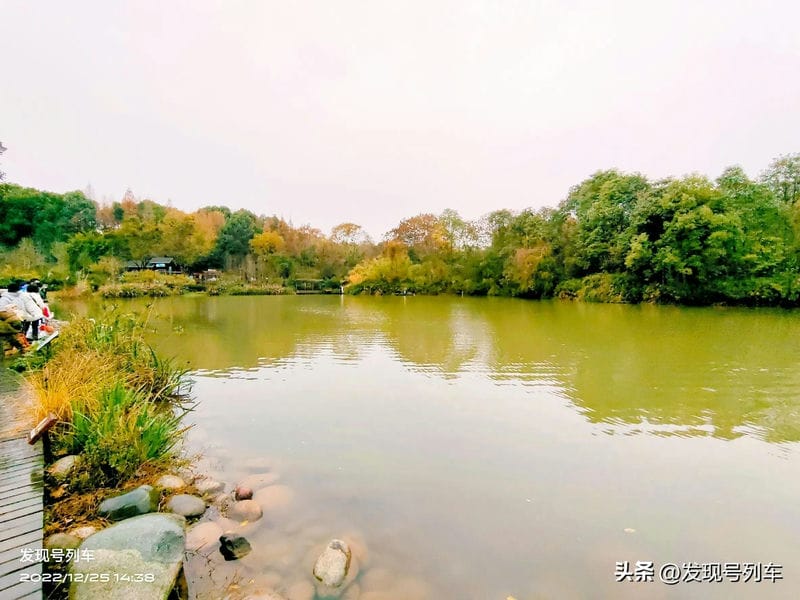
(481, 448)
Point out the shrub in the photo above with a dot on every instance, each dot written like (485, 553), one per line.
(119, 404)
(118, 433)
(146, 283)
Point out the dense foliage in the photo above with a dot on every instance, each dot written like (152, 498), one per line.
(119, 404)
(616, 237)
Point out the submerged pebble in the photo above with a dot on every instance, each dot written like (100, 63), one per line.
(233, 546)
(245, 510)
(203, 535)
(332, 565)
(209, 486)
(274, 497)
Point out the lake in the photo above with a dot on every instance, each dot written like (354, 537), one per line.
(485, 448)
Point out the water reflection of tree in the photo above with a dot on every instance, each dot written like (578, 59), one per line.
(663, 370)
(697, 372)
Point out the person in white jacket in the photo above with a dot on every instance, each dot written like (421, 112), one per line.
(29, 311)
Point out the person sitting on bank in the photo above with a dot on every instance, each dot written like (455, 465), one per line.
(27, 308)
(11, 329)
(11, 323)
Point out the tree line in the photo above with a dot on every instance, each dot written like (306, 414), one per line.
(616, 237)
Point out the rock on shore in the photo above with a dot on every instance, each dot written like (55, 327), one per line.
(170, 482)
(186, 505)
(62, 468)
(140, 556)
(143, 499)
(208, 486)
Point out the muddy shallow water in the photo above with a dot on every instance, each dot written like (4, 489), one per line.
(481, 448)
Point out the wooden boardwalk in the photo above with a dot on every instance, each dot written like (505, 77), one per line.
(21, 495)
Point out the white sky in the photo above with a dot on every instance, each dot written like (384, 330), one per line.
(371, 111)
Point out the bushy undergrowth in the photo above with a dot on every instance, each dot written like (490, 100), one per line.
(119, 404)
(247, 289)
(147, 283)
(154, 285)
(119, 431)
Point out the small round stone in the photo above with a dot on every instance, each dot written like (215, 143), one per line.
(186, 505)
(245, 510)
(170, 482)
(202, 535)
(209, 486)
(243, 492)
(333, 564)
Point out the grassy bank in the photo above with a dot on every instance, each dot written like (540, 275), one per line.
(120, 409)
(151, 284)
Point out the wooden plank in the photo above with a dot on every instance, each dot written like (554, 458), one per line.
(20, 479)
(9, 462)
(26, 525)
(12, 555)
(32, 539)
(21, 494)
(10, 490)
(26, 490)
(22, 589)
(34, 477)
(10, 581)
(23, 460)
(21, 512)
(26, 465)
(10, 441)
(17, 506)
(34, 595)
(19, 449)
(16, 502)
(17, 445)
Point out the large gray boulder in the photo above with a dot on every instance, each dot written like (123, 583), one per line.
(140, 558)
(142, 500)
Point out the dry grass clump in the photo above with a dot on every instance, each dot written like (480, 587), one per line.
(67, 380)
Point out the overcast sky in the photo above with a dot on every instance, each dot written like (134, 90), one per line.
(371, 111)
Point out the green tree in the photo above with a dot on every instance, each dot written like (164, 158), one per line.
(783, 178)
(233, 242)
(602, 206)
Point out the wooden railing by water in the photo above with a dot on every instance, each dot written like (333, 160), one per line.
(21, 495)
